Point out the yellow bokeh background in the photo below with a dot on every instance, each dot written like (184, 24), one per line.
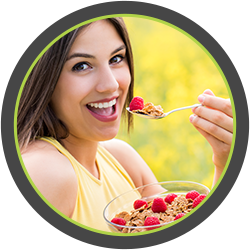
(171, 70)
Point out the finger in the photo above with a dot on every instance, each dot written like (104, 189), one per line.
(214, 142)
(220, 149)
(217, 117)
(208, 92)
(212, 129)
(206, 232)
(218, 103)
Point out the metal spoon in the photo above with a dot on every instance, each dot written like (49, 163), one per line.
(165, 114)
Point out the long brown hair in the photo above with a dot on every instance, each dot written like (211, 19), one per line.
(35, 116)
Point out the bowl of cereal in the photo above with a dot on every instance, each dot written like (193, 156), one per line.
(152, 206)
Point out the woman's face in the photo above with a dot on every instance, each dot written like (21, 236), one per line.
(93, 85)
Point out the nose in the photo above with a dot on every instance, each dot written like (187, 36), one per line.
(106, 80)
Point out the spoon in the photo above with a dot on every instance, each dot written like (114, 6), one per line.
(164, 115)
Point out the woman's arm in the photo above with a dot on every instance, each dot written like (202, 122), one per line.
(214, 120)
(53, 175)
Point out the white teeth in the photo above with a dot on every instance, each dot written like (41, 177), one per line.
(103, 105)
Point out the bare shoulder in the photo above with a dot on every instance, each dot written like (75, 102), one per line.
(121, 151)
(54, 177)
(52, 174)
(118, 146)
(131, 161)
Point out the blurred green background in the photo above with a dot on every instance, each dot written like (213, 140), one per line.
(171, 70)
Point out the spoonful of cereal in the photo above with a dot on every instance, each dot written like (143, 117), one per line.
(148, 110)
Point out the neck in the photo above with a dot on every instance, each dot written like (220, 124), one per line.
(84, 152)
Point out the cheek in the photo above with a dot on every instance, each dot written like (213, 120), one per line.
(68, 93)
(124, 78)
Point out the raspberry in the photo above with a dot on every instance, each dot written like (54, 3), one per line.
(140, 203)
(192, 195)
(150, 221)
(178, 216)
(198, 200)
(119, 221)
(159, 205)
(136, 103)
(169, 198)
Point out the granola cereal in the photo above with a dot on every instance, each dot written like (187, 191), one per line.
(137, 217)
(150, 109)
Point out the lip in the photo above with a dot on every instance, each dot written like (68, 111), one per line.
(104, 100)
(102, 118)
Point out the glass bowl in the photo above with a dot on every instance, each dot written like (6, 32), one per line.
(124, 202)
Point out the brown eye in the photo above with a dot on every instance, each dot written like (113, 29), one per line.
(80, 66)
(116, 59)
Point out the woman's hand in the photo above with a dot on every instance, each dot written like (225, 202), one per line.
(214, 120)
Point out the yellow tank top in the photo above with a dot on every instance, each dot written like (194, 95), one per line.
(94, 194)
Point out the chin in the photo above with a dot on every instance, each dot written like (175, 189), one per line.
(108, 133)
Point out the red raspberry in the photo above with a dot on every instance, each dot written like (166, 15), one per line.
(198, 200)
(140, 203)
(192, 195)
(169, 198)
(136, 103)
(150, 221)
(119, 221)
(159, 205)
(178, 216)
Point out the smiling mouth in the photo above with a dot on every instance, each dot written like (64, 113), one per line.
(102, 108)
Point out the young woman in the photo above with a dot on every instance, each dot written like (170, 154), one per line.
(70, 111)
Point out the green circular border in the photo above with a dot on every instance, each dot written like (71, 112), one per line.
(59, 37)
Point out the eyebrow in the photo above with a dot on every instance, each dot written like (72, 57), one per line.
(91, 56)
